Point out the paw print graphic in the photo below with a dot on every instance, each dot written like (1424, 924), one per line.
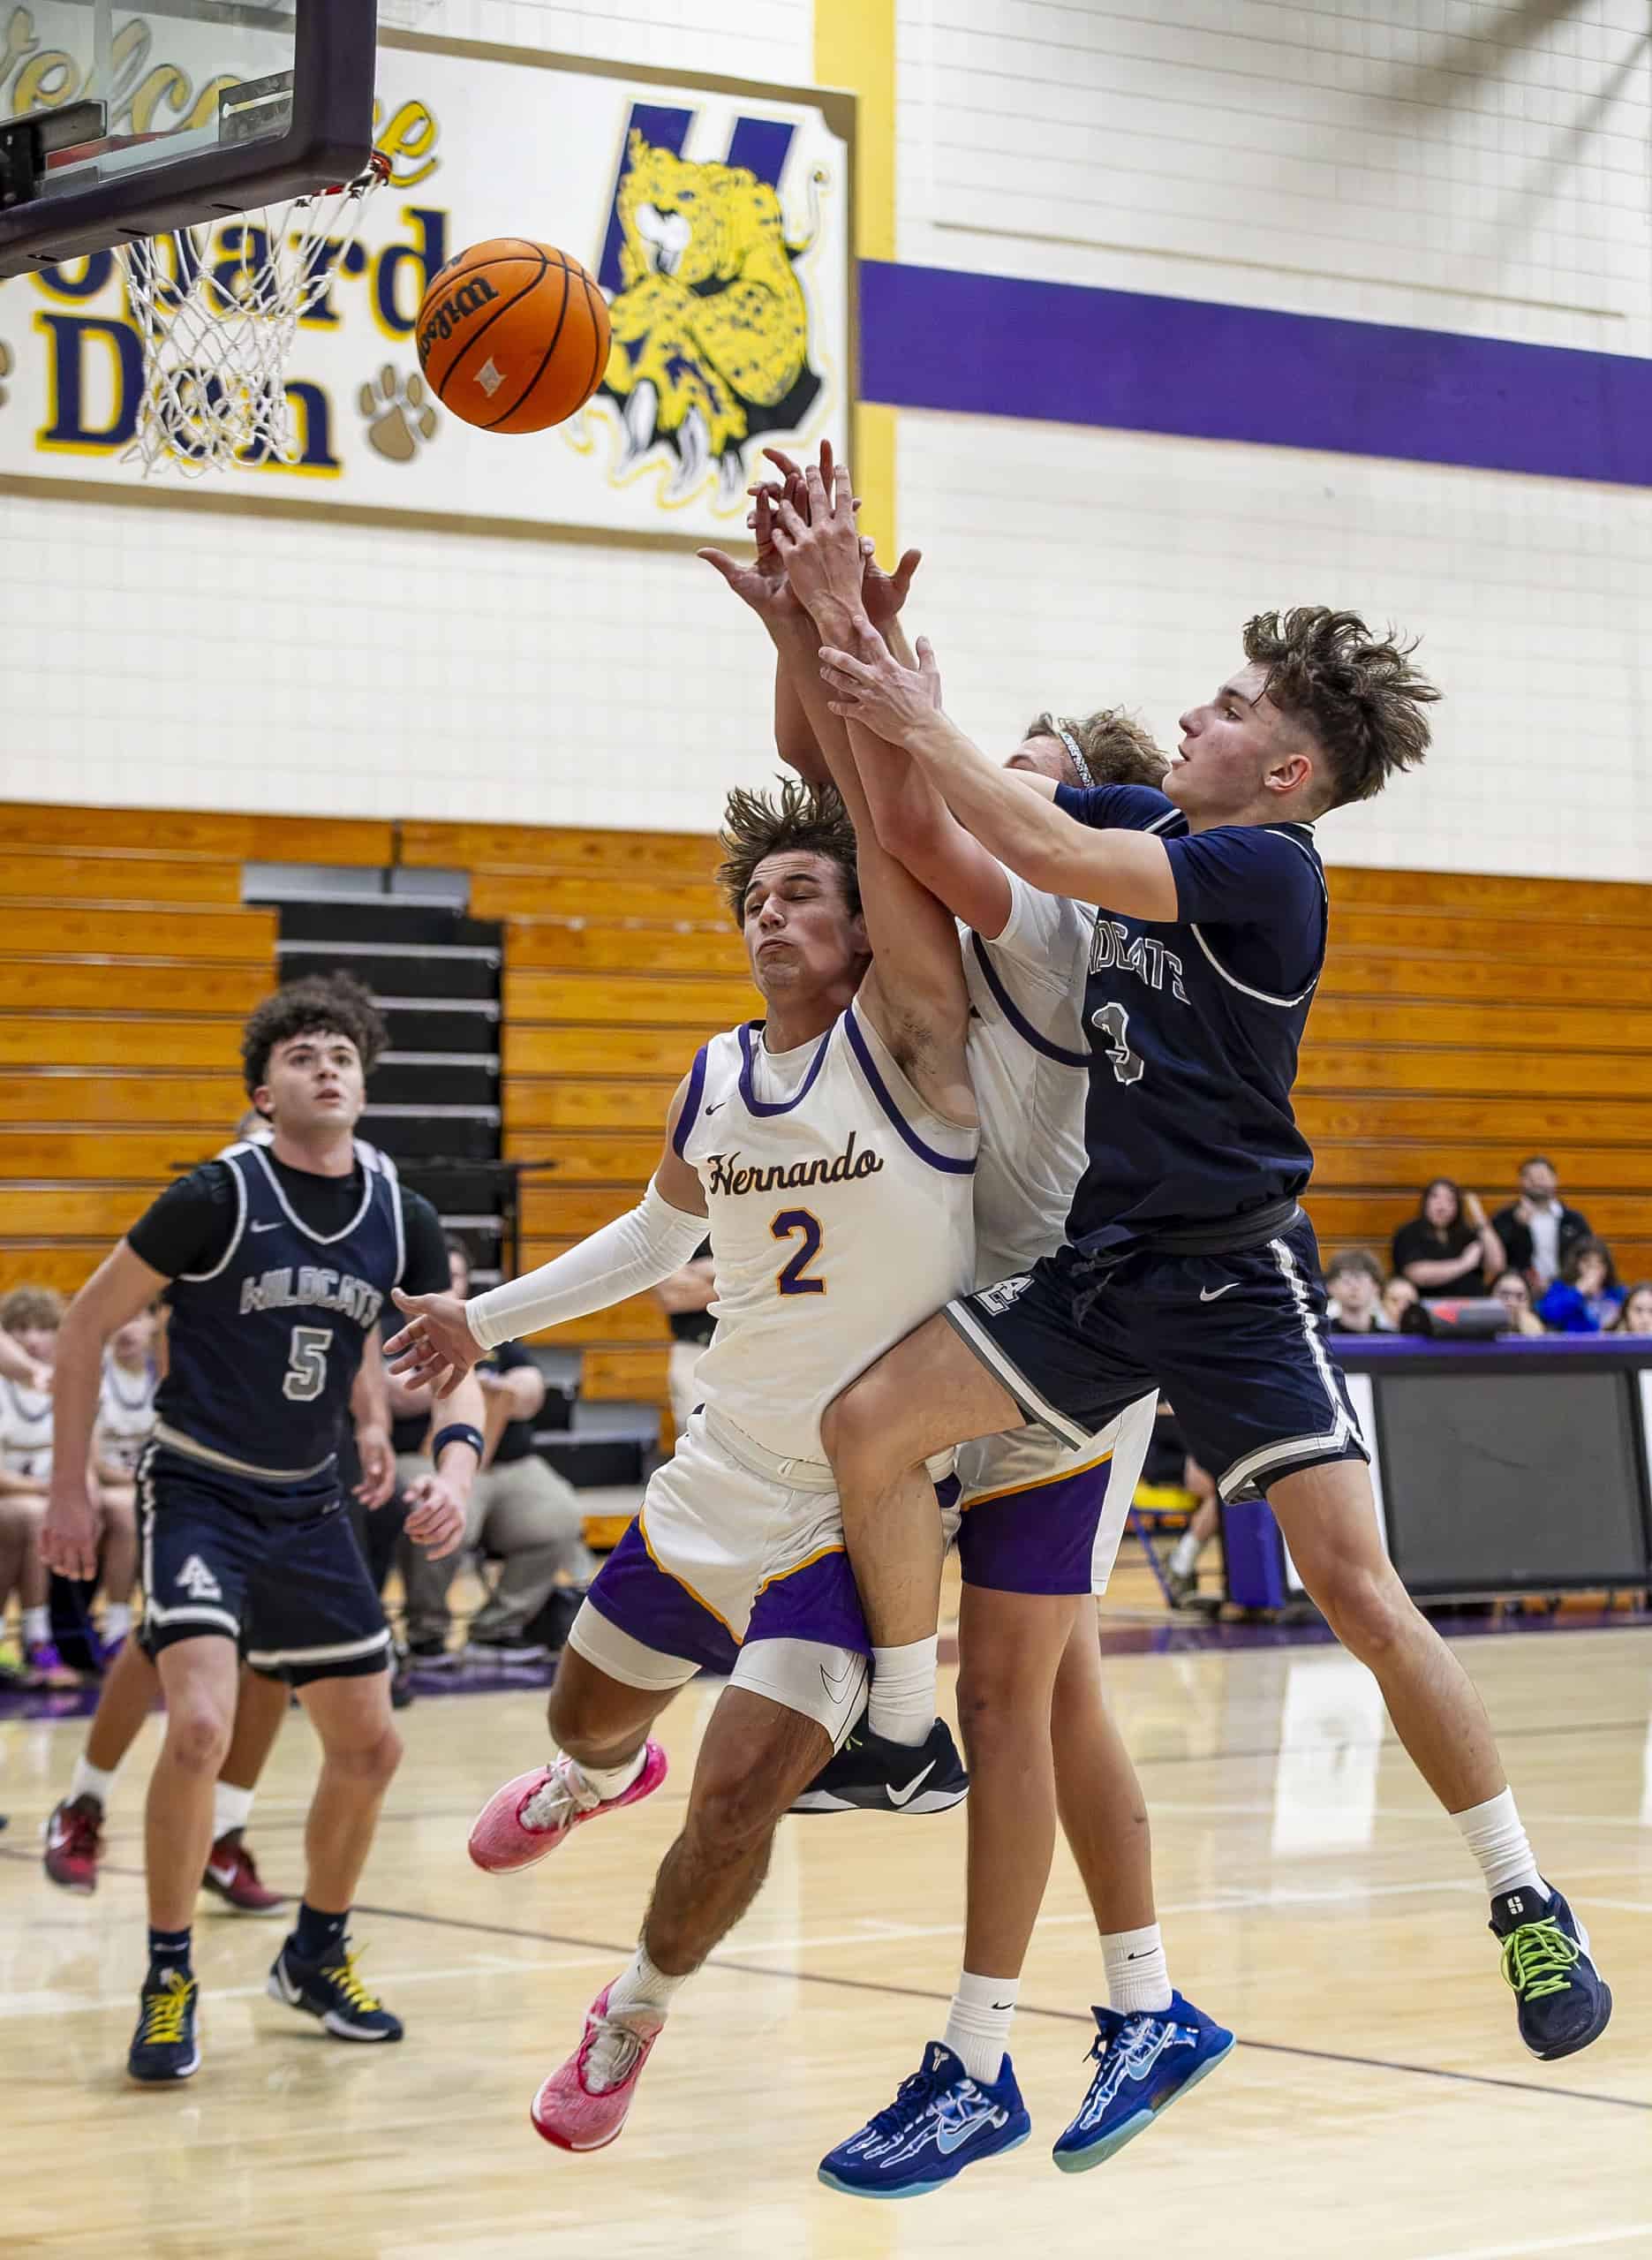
(7, 364)
(399, 415)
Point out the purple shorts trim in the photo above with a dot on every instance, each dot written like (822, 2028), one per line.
(635, 1594)
(817, 1602)
(1038, 1541)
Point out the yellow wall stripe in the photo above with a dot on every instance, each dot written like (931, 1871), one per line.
(855, 47)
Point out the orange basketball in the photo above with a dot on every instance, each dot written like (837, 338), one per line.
(513, 335)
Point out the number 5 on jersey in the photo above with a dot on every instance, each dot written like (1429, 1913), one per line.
(305, 1376)
(796, 1278)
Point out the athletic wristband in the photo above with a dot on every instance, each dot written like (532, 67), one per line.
(458, 1432)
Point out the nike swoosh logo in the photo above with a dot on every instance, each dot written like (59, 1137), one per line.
(834, 1686)
(274, 1226)
(1215, 1295)
(948, 2139)
(718, 1109)
(224, 1876)
(905, 1796)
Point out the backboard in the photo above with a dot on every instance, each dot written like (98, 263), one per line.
(142, 119)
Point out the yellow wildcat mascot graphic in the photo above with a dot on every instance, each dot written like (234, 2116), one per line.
(711, 327)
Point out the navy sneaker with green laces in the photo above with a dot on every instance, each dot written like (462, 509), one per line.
(164, 2047)
(1144, 2059)
(1564, 2003)
(940, 2121)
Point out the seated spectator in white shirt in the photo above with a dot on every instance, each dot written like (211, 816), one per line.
(1635, 1317)
(1399, 1296)
(1516, 1298)
(125, 1415)
(1582, 1300)
(1538, 1231)
(1354, 1284)
(31, 1316)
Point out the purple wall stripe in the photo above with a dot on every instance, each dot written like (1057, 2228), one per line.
(991, 345)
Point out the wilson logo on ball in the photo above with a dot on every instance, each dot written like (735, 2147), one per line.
(445, 320)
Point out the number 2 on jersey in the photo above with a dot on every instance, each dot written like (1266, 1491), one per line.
(305, 1377)
(796, 1279)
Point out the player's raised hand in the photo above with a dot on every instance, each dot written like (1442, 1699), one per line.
(892, 701)
(436, 1349)
(68, 1537)
(821, 549)
(883, 594)
(437, 1522)
(762, 584)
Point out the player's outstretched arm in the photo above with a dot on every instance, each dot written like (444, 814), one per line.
(444, 1337)
(1119, 871)
(122, 1285)
(370, 1418)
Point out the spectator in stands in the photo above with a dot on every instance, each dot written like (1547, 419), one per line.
(1448, 1247)
(1516, 1298)
(1354, 1284)
(1635, 1317)
(519, 1510)
(1538, 1230)
(31, 1316)
(1181, 1571)
(1399, 1294)
(685, 1298)
(1583, 1299)
(125, 1415)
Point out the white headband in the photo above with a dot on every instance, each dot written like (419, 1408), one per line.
(1079, 762)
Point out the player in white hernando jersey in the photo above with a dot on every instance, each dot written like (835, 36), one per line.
(832, 1149)
(1042, 1521)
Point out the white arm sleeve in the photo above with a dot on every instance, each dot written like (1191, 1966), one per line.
(637, 1250)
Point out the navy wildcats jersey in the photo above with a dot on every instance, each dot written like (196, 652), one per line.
(1194, 1025)
(265, 1346)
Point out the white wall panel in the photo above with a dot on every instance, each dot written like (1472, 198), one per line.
(1070, 567)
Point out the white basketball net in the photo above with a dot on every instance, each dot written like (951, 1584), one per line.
(219, 312)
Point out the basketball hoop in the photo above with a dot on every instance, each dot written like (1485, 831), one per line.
(219, 324)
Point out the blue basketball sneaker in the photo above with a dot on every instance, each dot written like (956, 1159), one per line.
(1564, 2003)
(940, 2121)
(1144, 2059)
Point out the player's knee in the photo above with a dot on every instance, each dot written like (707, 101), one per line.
(198, 1731)
(861, 1431)
(733, 1811)
(1365, 1606)
(369, 1763)
(999, 1710)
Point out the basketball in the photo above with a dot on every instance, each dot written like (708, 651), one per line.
(513, 335)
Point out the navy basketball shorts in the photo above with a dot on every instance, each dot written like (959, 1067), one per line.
(1236, 1342)
(277, 1564)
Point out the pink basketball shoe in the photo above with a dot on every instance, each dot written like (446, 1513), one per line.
(531, 1815)
(584, 2104)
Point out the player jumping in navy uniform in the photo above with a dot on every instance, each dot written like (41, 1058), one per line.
(1188, 1264)
(275, 1262)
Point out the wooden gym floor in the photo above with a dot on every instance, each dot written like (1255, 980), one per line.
(1379, 2106)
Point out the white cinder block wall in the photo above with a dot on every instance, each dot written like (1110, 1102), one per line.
(1449, 164)
(1445, 164)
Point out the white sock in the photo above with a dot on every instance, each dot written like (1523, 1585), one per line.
(641, 1986)
(1184, 1555)
(613, 1781)
(1138, 1977)
(90, 1781)
(978, 2021)
(1493, 1834)
(231, 1808)
(902, 1706)
(116, 1620)
(37, 1627)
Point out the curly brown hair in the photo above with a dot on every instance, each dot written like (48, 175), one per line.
(321, 1004)
(1117, 749)
(803, 820)
(1357, 693)
(31, 1310)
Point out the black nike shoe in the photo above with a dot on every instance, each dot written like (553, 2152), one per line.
(871, 1774)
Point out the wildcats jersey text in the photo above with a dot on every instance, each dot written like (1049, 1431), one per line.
(840, 1214)
(264, 1347)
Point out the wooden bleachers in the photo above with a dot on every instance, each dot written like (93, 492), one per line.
(127, 965)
